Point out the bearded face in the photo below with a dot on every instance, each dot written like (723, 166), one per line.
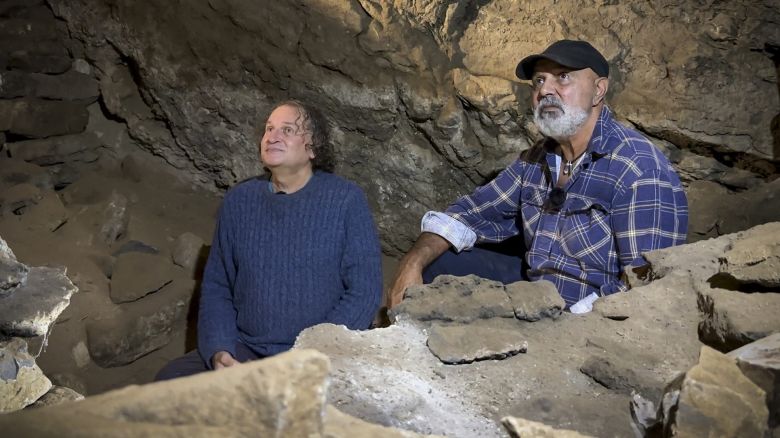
(559, 120)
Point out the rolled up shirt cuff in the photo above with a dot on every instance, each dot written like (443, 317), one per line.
(460, 236)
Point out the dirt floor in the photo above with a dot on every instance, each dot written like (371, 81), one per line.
(159, 209)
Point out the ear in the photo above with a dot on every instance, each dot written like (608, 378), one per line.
(602, 86)
(310, 151)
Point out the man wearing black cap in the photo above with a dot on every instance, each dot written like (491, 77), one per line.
(588, 200)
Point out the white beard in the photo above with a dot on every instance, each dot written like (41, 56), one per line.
(559, 125)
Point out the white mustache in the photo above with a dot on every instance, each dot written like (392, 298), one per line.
(550, 101)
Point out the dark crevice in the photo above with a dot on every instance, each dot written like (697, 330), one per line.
(11, 137)
(107, 113)
(724, 280)
(763, 167)
(773, 52)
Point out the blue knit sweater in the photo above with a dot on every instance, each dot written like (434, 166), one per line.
(280, 263)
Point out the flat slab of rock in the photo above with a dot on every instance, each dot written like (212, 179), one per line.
(136, 275)
(57, 395)
(456, 299)
(36, 209)
(40, 118)
(188, 252)
(55, 150)
(70, 85)
(31, 308)
(755, 259)
(465, 344)
(139, 327)
(732, 319)
(522, 428)
(534, 300)
(21, 381)
(280, 396)
(760, 362)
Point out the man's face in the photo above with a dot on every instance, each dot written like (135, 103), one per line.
(286, 142)
(563, 98)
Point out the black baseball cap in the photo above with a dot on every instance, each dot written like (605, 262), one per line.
(568, 53)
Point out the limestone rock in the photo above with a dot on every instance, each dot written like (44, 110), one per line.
(420, 82)
(755, 260)
(39, 210)
(139, 327)
(759, 362)
(12, 273)
(716, 399)
(521, 428)
(39, 118)
(459, 344)
(281, 396)
(533, 301)
(71, 85)
(80, 354)
(70, 381)
(732, 319)
(340, 425)
(135, 246)
(41, 207)
(36, 62)
(458, 299)
(21, 381)
(136, 275)
(389, 376)
(111, 134)
(32, 307)
(115, 218)
(188, 252)
(715, 210)
(622, 368)
(55, 150)
(57, 395)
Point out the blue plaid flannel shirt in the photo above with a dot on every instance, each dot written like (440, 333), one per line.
(623, 199)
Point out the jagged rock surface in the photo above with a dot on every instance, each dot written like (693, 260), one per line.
(423, 108)
(597, 360)
(21, 381)
(281, 396)
(31, 308)
(759, 362)
(714, 398)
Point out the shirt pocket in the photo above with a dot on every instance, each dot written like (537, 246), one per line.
(531, 205)
(586, 234)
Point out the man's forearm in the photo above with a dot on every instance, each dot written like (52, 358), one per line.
(426, 249)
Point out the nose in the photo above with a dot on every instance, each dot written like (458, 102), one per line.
(547, 88)
(271, 136)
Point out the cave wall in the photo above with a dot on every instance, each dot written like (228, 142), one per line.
(421, 94)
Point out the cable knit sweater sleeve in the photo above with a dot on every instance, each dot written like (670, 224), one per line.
(361, 268)
(217, 329)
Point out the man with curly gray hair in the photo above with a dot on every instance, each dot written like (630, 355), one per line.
(295, 248)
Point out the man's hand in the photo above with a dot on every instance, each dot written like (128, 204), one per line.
(408, 275)
(223, 359)
(426, 249)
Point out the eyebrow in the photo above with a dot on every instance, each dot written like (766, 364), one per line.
(283, 123)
